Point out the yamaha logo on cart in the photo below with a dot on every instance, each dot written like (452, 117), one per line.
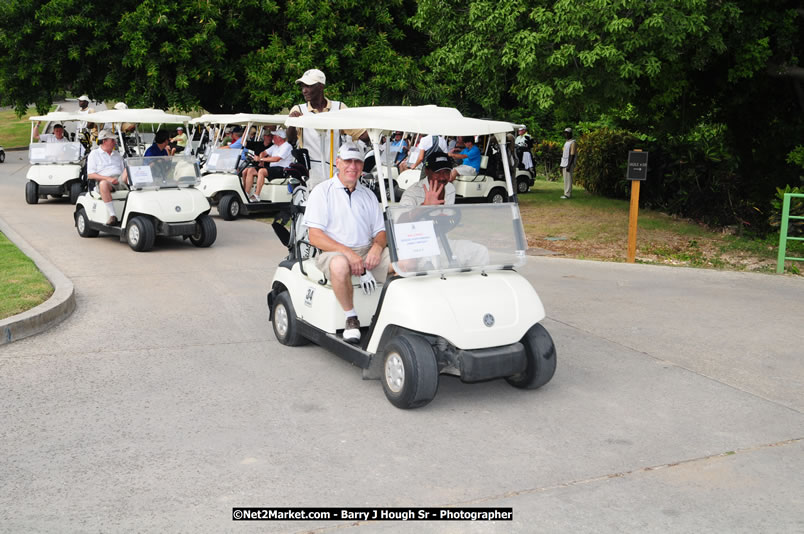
(308, 299)
(488, 320)
(178, 209)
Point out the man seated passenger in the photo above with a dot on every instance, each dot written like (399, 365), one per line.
(471, 156)
(437, 189)
(160, 146)
(56, 137)
(345, 222)
(105, 166)
(278, 156)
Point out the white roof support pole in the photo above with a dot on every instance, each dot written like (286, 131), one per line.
(506, 168)
(374, 136)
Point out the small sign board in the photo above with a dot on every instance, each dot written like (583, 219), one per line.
(637, 165)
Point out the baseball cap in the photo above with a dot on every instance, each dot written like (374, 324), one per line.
(179, 128)
(120, 105)
(105, 134)
(568, 130)
(237, 129)
(84, 97)
(312, 77)
(279, 132)
(438, 161)
(350, 151)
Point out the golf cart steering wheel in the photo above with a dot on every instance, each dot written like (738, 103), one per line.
(444, 218)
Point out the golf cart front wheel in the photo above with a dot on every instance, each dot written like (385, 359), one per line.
(410, 371)
(498, 195)
(140, 234)
(2, 157)
(82, 224)
(31, 192)
(541, 356)
(75, 191)
(283, 319)
(205, 233)
(522, 186)
(229, 207)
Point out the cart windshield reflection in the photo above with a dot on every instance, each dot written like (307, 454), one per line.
(222, 160)
(55, 152)
(441, 239)
(162, 172)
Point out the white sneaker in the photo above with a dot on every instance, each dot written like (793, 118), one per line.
(565, 197)
(254, 198)
(351, 334)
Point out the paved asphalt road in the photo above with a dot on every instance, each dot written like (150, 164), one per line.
(165, 400)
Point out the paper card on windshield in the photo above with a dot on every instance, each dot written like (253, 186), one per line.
(141, 175)
(213, 160)
(38, 153)
(415, 240)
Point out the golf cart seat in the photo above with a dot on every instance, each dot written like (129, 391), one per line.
(480, 176)
(94, 190)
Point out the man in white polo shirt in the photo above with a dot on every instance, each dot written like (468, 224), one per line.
(345, 221)
(105, 166)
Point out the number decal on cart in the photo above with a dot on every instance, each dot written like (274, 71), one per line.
(308, 299)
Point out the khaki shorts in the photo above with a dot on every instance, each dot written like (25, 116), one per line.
(380, 272)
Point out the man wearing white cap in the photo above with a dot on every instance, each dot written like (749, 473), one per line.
(105, 166)
(84, 109)
(279, 155)
(345, 221)
(568, 157)
(179, 142)
(312, 85)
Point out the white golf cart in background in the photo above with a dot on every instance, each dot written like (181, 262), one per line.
(221, 173)
(457, 305)
(161, 198)
(2, 155)
(57, 168)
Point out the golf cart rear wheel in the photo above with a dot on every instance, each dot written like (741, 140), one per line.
(75, 191)
(410, 371)
(140, 234)
(283, 319)
(206, 231)
(541, 356)
(31, 192)
(498, 195)
(229, 207)
(82, 224)
(522, 186)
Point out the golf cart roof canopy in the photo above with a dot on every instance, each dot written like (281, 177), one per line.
(240, 118)
(60, 116)
(419, 119)
(156, 116)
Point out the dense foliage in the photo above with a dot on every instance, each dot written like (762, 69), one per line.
(717, 85)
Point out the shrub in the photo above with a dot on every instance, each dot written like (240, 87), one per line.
(602, 161)
(795, 226)
(547, 156)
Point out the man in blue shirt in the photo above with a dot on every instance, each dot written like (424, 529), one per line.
(471, 156)
(159, 148)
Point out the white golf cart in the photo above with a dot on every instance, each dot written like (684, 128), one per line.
(223, 167)
(57, 168)
(2, 155)
(457, 306)
(489, 184)
(161, 198)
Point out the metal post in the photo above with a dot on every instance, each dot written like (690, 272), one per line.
(783, 234)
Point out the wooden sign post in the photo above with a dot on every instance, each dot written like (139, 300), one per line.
(637, 172)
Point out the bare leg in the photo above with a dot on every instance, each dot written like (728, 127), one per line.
(248, 180)
(341, 278)
(105, 190)
(261, 175)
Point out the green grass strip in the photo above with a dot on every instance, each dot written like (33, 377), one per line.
(22, 285)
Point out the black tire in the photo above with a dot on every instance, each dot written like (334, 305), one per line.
(75, 191)
(82, 224)
(207, 232)
(497, 195)
(229, 207)
(31, 192)
(522, 186)
(2, 157)
(409, 371)
(286, 326)
(140, 234)
(541, 355)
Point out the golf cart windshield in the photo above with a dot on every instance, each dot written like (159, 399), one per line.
(441, 239)
(162, 172)
(222, 160)
(54, 152)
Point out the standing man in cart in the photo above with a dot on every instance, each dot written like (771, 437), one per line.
(312, 85)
